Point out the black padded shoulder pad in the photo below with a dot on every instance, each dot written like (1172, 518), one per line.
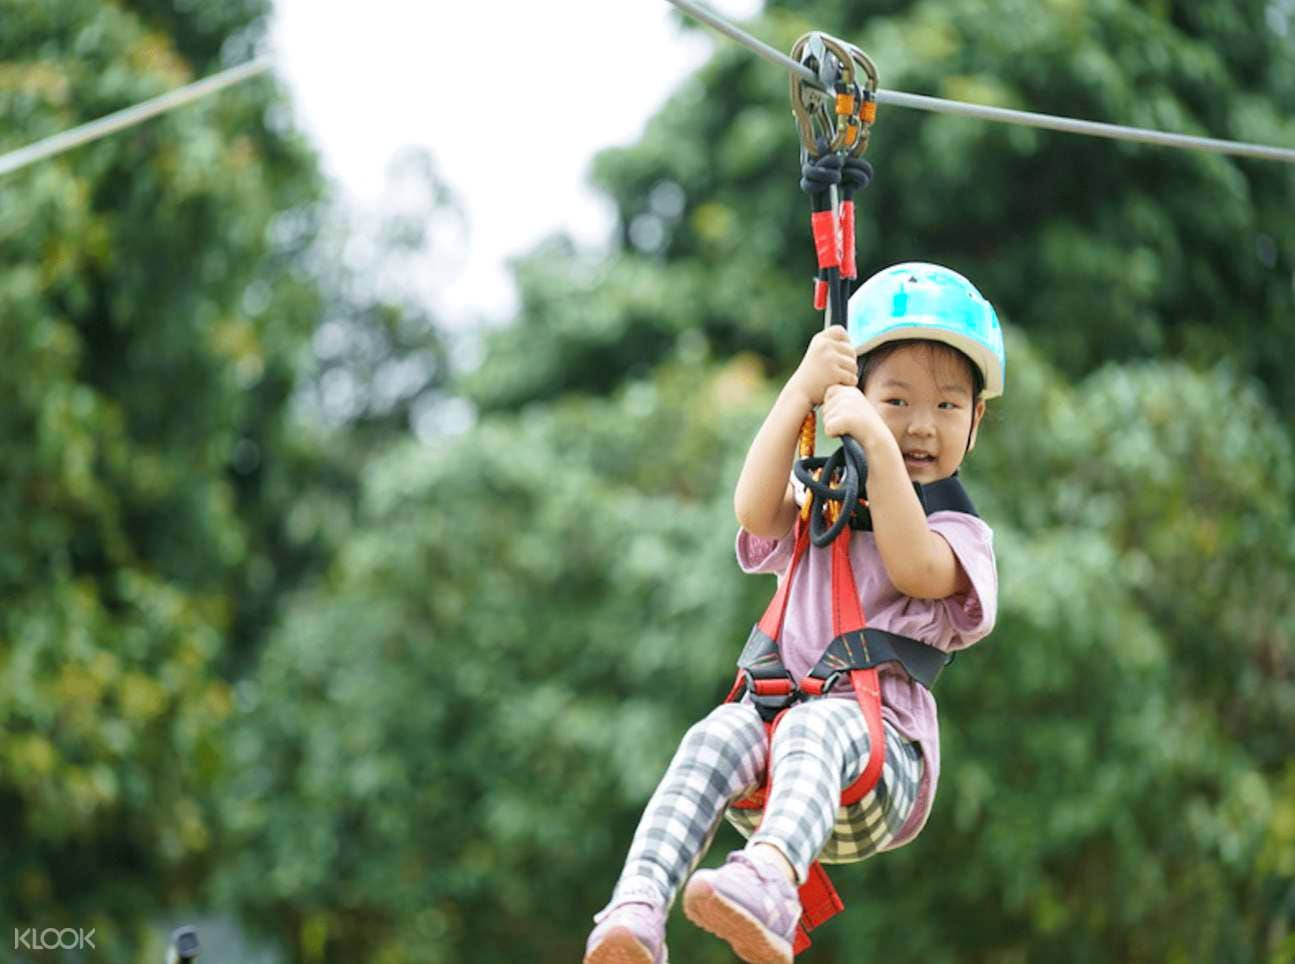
(946, 495)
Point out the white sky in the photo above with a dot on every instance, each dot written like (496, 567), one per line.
(512, 99)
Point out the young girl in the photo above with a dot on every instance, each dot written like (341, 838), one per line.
(908, 381)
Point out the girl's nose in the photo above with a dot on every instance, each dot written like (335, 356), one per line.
(921, 425)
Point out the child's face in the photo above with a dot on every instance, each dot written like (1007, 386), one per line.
(924, 396)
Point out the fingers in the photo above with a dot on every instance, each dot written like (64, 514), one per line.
(844, 410)
(841, 363)
(834, 421)
(829, 360)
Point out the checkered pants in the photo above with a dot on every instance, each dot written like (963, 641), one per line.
(819, 748)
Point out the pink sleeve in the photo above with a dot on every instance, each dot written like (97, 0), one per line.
(758, 554)
(972, 614)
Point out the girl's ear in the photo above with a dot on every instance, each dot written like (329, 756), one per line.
(977, 414)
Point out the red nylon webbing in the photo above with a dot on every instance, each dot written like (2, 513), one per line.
(847, 611)
(771, 622)
(848, 617)
(818, 898)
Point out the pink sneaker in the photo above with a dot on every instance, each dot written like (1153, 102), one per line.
(629, 933)
(750, 904)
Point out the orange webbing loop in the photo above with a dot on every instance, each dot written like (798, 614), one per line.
(808, 429)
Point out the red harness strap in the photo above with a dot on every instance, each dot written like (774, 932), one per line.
(818, 898)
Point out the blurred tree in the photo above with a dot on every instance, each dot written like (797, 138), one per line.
(441, 751)
(458, 725)
(469, 717)
(380, 359)
(150, 331)
(1103, 251)
(161, 494)
(447, 746)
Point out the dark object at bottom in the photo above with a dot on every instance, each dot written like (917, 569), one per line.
(184, 945)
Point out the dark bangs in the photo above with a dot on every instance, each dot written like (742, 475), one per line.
(868, 362)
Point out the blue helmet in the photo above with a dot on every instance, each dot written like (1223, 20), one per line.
(920, 300)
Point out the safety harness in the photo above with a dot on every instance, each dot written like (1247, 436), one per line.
(853, 655)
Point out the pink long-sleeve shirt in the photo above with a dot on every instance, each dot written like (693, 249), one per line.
(949, 624)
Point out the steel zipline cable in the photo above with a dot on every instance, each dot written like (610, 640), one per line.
(939, 105)
(130, 116)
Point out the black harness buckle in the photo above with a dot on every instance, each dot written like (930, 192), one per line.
(779, 693)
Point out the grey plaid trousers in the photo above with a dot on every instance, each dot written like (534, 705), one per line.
(819, 748)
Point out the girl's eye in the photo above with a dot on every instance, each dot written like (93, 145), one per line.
(895, 401)
(949, 405)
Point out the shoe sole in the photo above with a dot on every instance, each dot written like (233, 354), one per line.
(749, 939)
(620, 946)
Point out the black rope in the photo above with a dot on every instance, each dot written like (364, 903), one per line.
(851, 465)
(848, 464)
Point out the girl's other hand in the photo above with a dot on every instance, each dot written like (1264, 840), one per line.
(829, 360)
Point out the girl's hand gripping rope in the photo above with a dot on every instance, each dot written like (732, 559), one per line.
(829, 366)
(847, 411)
(829, 360)
(832, 508)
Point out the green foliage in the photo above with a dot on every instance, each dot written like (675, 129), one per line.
(1117, 777)
(1100, 250)
(156, 302)
(404, 702)
(1143, 647)
(465, 720)
(477, 716)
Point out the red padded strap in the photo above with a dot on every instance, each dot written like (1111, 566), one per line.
(819, 900)
(847, 611)
(771, 622)
(848, 617)
(867, 689)
(819, 903)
